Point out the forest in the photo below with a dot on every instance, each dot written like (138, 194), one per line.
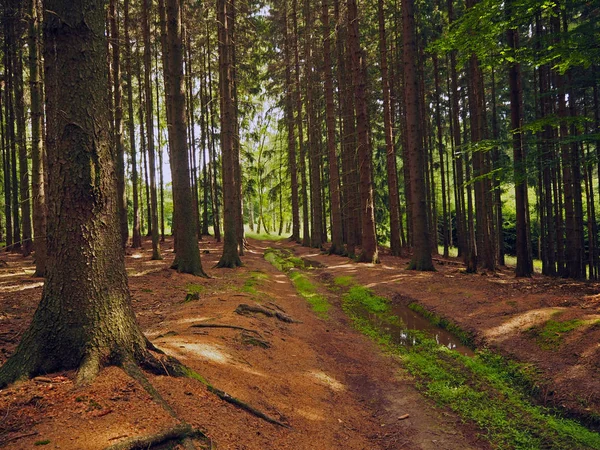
(371, 223)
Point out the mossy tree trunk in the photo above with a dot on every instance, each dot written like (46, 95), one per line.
(85, 319)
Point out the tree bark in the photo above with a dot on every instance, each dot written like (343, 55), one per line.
(156, 254)
(337, 237)
(85, 318)
(37, 143)
(364, 151)
(115, 43)
(289, 111)
(187, 254)
(524, 260)
(421, 259)
(230, 257)
(391, 166)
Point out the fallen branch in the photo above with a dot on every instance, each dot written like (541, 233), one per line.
(245, 406)
(178, 433)
(244, 309)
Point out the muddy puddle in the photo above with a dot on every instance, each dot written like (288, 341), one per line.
(412, 321)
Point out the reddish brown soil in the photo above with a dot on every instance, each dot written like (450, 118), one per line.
(330, 384)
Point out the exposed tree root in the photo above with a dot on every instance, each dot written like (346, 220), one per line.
(181, 432)
(234, 401)
(244, 309)
(245, 406)
(277, 306)
(219, 325)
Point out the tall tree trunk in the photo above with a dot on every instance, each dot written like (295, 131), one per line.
(187, 254)
(300, 127)
(316, 231)
(37, 143)
(485, 253)
(24, 197)
(156, 254)
(392, 170)
(289, 112)
(421, 259)
(230, 257)
(442, 153)
(524, 261)
(136, 241)
(118, 105)
(90, 322)
(6, 161)
(213, 150)
(337, 237)
(364, 151)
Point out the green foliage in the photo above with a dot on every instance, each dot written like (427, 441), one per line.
(42, 442)
(308, 291)
(487, 390)
(193, 288)
(254, 279)
(284, 261)
(364, 297)
(551, 335)
(344, 280)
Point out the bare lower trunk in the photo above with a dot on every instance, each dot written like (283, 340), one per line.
(90, 322)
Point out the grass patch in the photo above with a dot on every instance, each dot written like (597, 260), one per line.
(344, 281)
(488, 390)
(464, 337)
(255, 278)
(44, 442)
(361, 296)
(308, 291)
(192, 288)
(285, 261)
(551, 335)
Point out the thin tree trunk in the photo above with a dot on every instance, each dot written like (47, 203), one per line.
(364, 151)
(230, 257)
(118, 106)
(156, 254)
(337, 244)
(421, 259)
(392, 170)
(289, 111)
(136, 241)
(187, 254)
(524, 260)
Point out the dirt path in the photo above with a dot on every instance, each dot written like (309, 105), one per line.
(332, 385)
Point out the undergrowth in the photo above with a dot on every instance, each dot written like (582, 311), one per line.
(486, 389)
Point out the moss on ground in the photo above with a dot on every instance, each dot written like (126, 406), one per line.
(284, 261)
(486, 389)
